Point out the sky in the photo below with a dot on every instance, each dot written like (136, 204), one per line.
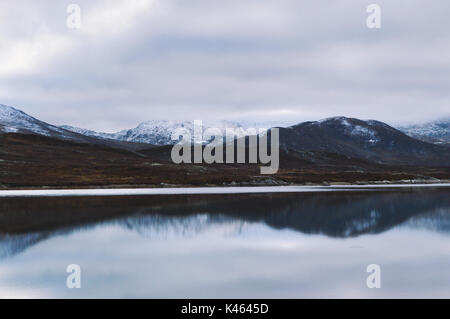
(257, 60)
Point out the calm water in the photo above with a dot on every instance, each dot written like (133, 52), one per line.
(296, 245)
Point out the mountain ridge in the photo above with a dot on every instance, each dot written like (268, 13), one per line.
(368, 140)
(437, 131)
(159, 132)
(13, 120)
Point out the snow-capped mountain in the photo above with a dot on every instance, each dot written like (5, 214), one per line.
(437, 132)
(155, 132)
(159, 132)
(91, 133)
(352, 138)
(15, 121)
(337, 140)
(369, 140)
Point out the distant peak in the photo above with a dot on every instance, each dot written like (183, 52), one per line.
(9, 113)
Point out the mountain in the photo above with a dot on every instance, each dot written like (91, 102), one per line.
(90, 133)
(338, 142)
(368, 140)
(13, 120)
(36, 154)
(437, 132)
(159, 132)
(155, 132)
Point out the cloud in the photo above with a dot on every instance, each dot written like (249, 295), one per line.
(209, 59)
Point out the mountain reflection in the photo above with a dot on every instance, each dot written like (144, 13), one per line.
(27, 221)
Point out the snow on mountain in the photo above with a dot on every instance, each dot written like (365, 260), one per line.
(88, 132)
(15, 121)
(349, 137)
(437, 132)
(159, 132)
(156, 132)
(368, 140)
(364, 130)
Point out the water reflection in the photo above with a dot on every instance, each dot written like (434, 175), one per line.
(25, 222)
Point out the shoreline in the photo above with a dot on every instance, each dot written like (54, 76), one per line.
(208, 190)
(277, 183)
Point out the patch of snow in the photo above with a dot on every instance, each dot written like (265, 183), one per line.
(365, 132)
(159, 132)
(345, 122)
(9, 129)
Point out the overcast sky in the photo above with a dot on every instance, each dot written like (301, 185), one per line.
(207, 59)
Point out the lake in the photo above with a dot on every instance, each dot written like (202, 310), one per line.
(294, 244)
